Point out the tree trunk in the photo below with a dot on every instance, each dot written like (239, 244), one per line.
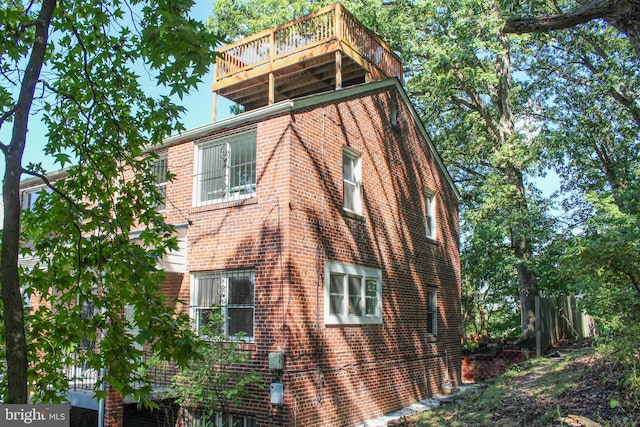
(520, 235)
(13, 301)
(528, 290)
(520, 229)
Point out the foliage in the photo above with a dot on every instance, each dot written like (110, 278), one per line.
(450, 51)
(602, 263)
(461, 80)
(487, 281)
(584, 82)
(213, 382)
(94, 238)
(242, 18)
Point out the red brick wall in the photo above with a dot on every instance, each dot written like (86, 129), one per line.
(482, 366)
(366, 371)
(113, 409)
(335, 375)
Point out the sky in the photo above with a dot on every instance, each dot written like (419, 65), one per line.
(199, 109)
(198, 104)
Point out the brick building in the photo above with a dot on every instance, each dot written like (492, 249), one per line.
(324, 222)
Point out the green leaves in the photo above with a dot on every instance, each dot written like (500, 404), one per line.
(94, 242)
(218, 378)
(178, 48)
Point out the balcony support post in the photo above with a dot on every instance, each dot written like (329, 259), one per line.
(338, 69)
(272, 88)
(214, 107)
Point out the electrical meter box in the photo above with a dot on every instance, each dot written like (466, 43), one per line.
(276, 361)
(276, 394)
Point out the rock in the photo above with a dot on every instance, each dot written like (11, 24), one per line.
(579, 421)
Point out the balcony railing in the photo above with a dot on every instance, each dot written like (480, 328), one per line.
(332, 23)
(306, 43)
(82, 378)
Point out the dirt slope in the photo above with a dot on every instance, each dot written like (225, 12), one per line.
(572, 386)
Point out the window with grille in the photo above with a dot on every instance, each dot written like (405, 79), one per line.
(87, 313)
(353, 294)
(351, 178)
(231, 292)
(193, 417)
(226, 168)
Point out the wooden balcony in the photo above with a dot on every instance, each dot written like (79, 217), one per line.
(325, 50)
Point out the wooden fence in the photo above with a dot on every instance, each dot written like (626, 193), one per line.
(559, 318)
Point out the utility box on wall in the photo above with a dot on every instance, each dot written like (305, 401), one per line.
(276, 361)
(276, 394)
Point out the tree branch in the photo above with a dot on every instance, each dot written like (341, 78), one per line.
(581, 15)
(48, 183)
(627, 102)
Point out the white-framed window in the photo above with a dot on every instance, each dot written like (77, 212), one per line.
(431, 223)
(351, 178)
(160, 171)
(30, 196)
(196, 418)
(226, 168)
(432, 312)
(353, 294)
(232, 292)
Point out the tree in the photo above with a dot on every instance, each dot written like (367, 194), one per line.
(73, 62)
(585, 82)
(476, 112)
(624, 15)
(213, 383)
(459, 74)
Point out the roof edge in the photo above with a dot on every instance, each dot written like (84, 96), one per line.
(230, 122)
(310, 101)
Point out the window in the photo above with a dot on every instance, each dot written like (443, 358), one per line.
(87, 313)
(353, 294)
(197, 418)
(88, 341)
(160, 171)
(351, 177)
(232, 292)
(29, 197)
(226, 168)
(432, 312)
(430, 214)
(394, 114)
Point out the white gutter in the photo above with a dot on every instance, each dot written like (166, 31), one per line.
(230, 122)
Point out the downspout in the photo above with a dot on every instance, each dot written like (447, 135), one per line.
(103, 371)
(101, 401)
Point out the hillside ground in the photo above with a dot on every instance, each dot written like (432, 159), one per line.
(572, 386)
